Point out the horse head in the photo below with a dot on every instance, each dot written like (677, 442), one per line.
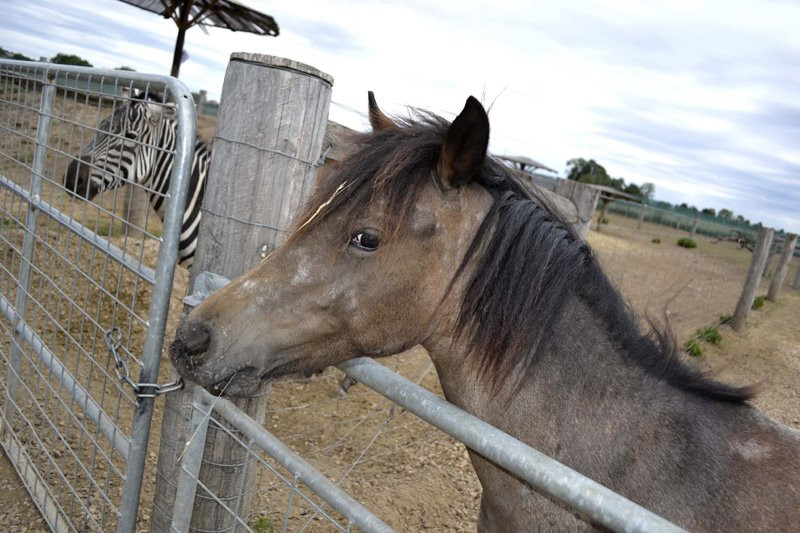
(367, 270)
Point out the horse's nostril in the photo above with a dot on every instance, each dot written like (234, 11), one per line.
(196, 337)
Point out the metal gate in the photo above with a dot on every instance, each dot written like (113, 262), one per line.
(84, 291)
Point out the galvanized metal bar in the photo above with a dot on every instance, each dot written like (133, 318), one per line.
(311, 477)
(31, 227)
(39, 492)
(579, 492)
(159, 307)
(81, 396)
(103, 245)
(190, 466)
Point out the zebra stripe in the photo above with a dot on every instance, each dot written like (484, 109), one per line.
(136, 143)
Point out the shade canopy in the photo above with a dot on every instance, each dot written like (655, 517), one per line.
(524, 163)
(217, 13)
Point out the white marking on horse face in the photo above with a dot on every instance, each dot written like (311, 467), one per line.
(751, 450)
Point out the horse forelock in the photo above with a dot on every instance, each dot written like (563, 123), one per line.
(525, 262)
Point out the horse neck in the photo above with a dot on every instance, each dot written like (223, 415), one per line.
(570, 391)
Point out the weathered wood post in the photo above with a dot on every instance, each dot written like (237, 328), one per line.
(201, 101)
(641, 217)
(796, 284)
(694, 224)
(585, 200)
(773, 250)
(136, 207)
(748, 295)
(789, 242)
(603, 211)
(272, 120)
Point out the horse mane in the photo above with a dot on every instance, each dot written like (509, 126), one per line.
(527, 261)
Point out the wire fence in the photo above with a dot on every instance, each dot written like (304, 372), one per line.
(690, 288)
(75, 278)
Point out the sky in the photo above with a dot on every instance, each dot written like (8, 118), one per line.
(701, 98)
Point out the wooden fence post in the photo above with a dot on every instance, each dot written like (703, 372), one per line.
(773, 250)
(136, 207)
(268, 141)
(753, 279)
(789, 242)
(796, 283)
(603, 211)
(694, 224)
(641, 217)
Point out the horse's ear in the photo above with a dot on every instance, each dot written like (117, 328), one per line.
(377, 119)
(464, 147)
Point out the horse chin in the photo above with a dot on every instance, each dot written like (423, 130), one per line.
(248, 383)
(244, 383)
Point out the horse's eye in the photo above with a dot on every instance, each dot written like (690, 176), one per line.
(366, 240)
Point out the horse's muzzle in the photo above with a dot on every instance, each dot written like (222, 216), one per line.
(192, 341)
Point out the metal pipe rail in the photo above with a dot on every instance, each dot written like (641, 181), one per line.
(302, 470)
(576, 490)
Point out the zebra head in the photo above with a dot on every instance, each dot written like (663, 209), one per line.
(127, 147)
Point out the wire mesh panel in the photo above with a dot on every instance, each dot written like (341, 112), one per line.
(690, 287)
(84, 289)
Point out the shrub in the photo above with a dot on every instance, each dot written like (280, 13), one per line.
(686, 242)
(725, 319)
(708, 334)
(656, 240)
(693, 348)
(758, 303)
(262, 525)
(604, 221)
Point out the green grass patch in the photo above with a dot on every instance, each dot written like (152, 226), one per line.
(262, 524)
(725, 319)
(686, 242)
(709, 334)
(758, 303)
(656, 240)
(693, 348)
(694, 345)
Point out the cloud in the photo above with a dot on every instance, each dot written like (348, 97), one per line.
(698, 97)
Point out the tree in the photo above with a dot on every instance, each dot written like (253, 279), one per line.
(709, 211)
(633, 189)
(14, 55)
(725, 214)
(587, 171)
(69, 59)
(126, 68)
(647, 190)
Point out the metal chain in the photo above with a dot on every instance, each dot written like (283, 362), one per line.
(113, 338)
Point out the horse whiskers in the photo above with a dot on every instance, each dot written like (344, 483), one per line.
(205, 417)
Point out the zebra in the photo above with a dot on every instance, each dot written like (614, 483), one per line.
(136, 144)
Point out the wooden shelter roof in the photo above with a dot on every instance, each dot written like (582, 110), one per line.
(612, 193)
(521, 162)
